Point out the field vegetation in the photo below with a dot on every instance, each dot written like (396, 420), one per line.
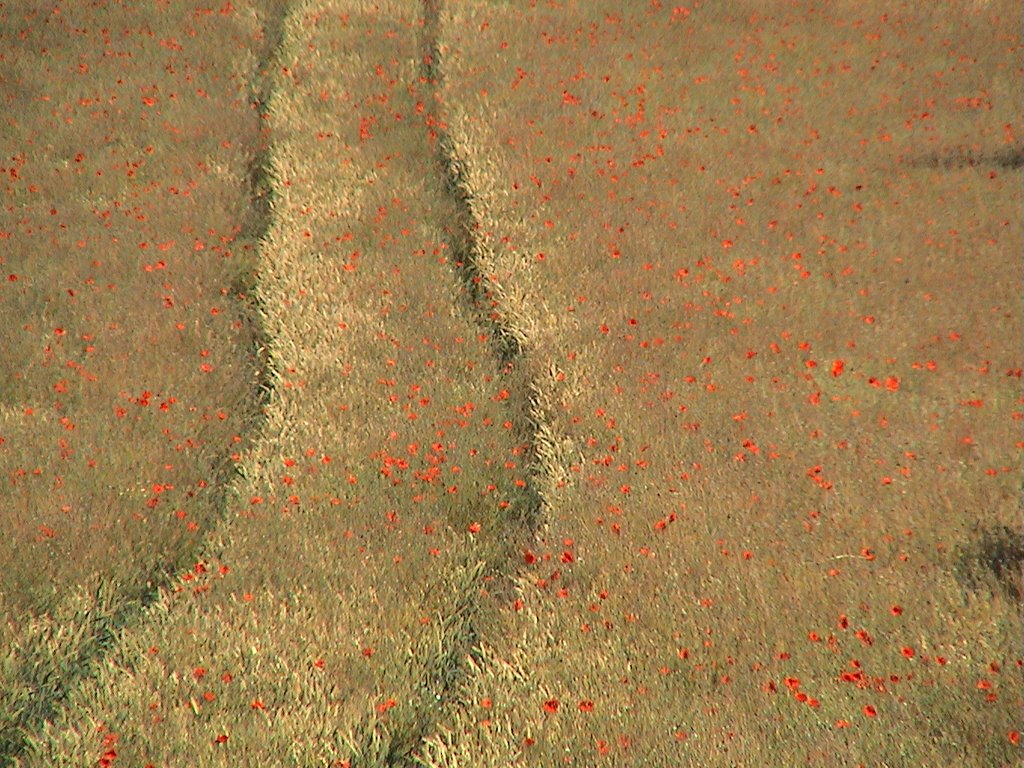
(131, 370)
(490, 383)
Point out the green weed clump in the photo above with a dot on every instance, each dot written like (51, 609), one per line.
(993, 558)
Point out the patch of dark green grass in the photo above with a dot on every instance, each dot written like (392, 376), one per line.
(992, 560)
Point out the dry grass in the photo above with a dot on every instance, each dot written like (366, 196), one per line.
(639, 387)
(332, 610)
(128, 378)
(706, 214)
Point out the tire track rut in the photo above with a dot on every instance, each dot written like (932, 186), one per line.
(485, 300)
(485, 297)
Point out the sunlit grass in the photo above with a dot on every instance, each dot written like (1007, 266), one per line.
(789, 366)
(129, 376)
(341, 595)
(472, 383)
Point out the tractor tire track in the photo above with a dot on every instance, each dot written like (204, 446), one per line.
(486, 299)
(487, 302)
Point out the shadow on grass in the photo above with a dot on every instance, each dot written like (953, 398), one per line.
(993, 560)
(1007, 158)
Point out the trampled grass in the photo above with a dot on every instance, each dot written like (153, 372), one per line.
(605, 387)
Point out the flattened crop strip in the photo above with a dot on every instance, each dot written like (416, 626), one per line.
(460, 654)
(486, 298)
